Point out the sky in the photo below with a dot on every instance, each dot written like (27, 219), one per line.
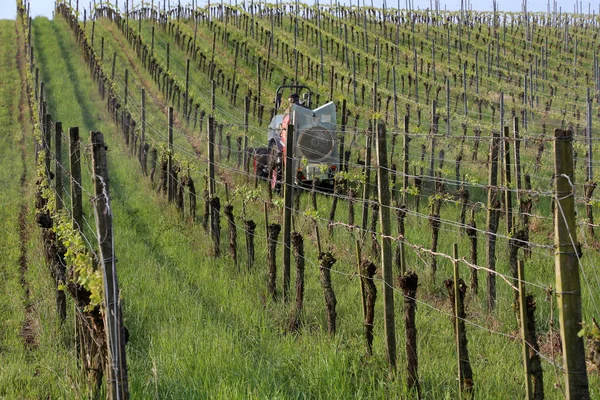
(8, 9)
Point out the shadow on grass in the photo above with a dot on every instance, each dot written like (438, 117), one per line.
(81, 94)
(47, 75)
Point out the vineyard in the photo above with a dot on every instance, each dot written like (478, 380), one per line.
(159, 244)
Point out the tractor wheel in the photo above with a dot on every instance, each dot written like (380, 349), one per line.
(260, 162)
(276, 167)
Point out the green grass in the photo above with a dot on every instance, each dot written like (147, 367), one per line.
(47, 367)
(200, 329)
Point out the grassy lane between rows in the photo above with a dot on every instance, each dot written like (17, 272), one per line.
(34, 350)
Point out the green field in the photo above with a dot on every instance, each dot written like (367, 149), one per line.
(202, 327)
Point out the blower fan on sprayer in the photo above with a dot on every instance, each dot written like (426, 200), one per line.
(315, 150)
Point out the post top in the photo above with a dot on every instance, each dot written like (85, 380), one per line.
(563, 134)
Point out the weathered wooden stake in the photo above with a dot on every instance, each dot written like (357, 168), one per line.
(211, 155)
(400, 251)
(75, 164)
(457, 289)
(249, 227)
(367, 271)
(215, 224)
(58, 172)
(170, 180)
(232, 233)
(186, 110)
(568, 288)
(405, 161)
(472, 234)
(298, 244)
(272, 235)
(492, 221)
(507, 178)
(287, 210)
(59, 267)
(524, 322)
(386, 245)
(409, 283)
(117, 382)
(142, 156)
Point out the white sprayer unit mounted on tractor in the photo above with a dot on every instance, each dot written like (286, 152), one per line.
(315, 143)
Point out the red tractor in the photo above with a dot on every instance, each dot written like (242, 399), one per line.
(315, 143)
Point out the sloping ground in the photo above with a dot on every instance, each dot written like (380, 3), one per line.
(200, 329)
(34, 355)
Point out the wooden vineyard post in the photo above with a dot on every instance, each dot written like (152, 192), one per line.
(406, 161)
(463, 195)
(298, 244)
(457, 289)
(213, 98)
(249, 227)
(186, 110)
(337, 189)
(215, 224)
(395, 97)
(342, 136)
(168, 57)
(287, 209)
(508, 191)
(448, 103)
(232, 233)
(366, 188)
(492, 221)
(170, 180)
(471, 231)
(272, 235)
(457, 331)
(400, 250)
(47, 142)
(590, 185)
(517, 154)
(246, 158)
(368, 269)
(192, 195)
(59, 267)
(114, 62)
(213, 201)
(211, 155)
(433, 133)
(58, 173)
(142, 152)
(367, 185)
(117, 383)
(568, 288)
(409, 283)
(124, 124)
(363, 295)
(238, 141)
(386, 245)
(523, 320)
(75, 165)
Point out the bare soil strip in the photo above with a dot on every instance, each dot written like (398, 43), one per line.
(28, 329)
